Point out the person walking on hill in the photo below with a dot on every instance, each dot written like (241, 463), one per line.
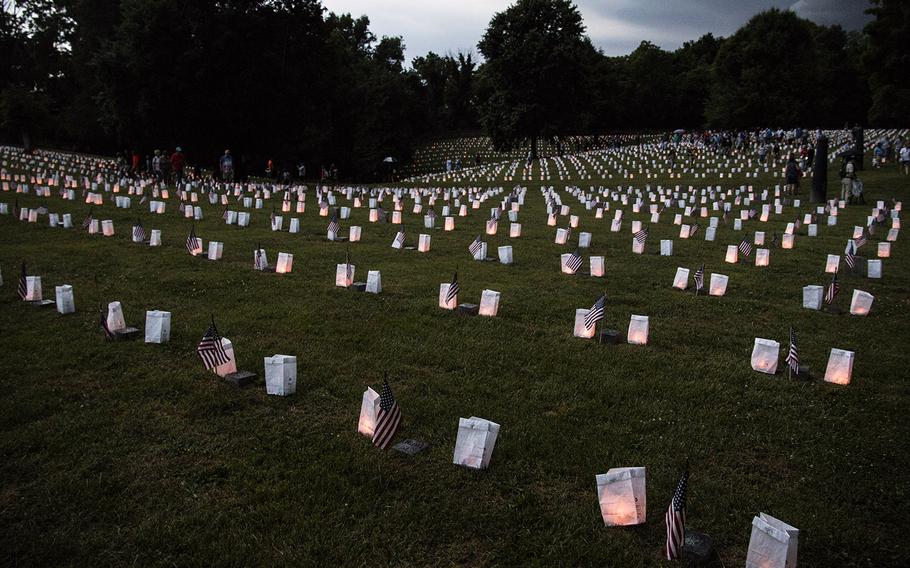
(847, 176)
(226, 165)
(792, 174)
(178, 164)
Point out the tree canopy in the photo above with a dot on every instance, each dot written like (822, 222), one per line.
(287, 80)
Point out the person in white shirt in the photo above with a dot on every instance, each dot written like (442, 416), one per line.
(846, 183)
(905, 159)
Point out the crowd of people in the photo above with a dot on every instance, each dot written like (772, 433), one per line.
(176, 168)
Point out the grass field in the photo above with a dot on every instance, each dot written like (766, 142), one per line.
(127, 453)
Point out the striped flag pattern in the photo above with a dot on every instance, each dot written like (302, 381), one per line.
(452, 292)
(745, 247)
(138, 231)
(388, 419)
(849, 257)
(22, 286)
(86, 223)
(675, 519)
(793, 354)
(573, 263)
(641, 236)
(475, 246)
(334, 226)
(192, 242)
(699, 278)
(399, 239)
(210, 349)
(861, 240)
(596, 313)
(832, 290)
(257, 258)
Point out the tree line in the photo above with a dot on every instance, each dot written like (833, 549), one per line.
(288, 80)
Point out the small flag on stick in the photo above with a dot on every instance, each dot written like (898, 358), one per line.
(210, 349)
(676, 519)
(388, 418)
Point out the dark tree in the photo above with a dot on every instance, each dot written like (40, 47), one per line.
(534, 70)
(888, 61)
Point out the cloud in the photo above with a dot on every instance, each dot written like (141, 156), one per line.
(615, 26)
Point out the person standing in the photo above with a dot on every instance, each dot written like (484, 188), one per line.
(226, 165)
(156, 166)
(846, 183)
(904, 157)
(178, 164)
(792, 174)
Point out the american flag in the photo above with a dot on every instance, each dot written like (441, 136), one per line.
(22, 287)
(861, 240)
(724, 217)
(573, 263)
(102, 321)
(272, 218)
(388, 419)
(793, 355)
(192, 243)
(641, 236)
(225, 214)
(694, 229)
(210, 349)
(774, 240)
(475, 246)
(751, 213)
(144, 199)
(452, 292)
(596, 313)
(491, 225)
(797, 224)
(348, 267)
(399, 239)
(138, 231)
(88, 220)
(431, 213)
(745, 247)
(849, 257)
(699, 278)
(334, 226)
(832, 290)
(676, 519)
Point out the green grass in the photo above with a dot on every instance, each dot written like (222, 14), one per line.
(127, 453)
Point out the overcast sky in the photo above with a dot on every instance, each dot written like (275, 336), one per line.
(615, 26)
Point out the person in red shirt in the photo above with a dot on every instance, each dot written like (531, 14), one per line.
(178, 163)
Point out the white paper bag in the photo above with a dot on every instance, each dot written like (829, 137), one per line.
(369, 411)
(343, 278)
(231, 365)
(580, 330)
(489, 303)
(638, 330)
(718, 284)
(115, 321)
(765, 353)
(281, 375)
(622, 495)
(812, 297)
(374, 282)
(157, 326)
(505, 255)
(773, 543)
(681, 280)
(475, 441)
(840, 366)
(64, 297)
(861, 303)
